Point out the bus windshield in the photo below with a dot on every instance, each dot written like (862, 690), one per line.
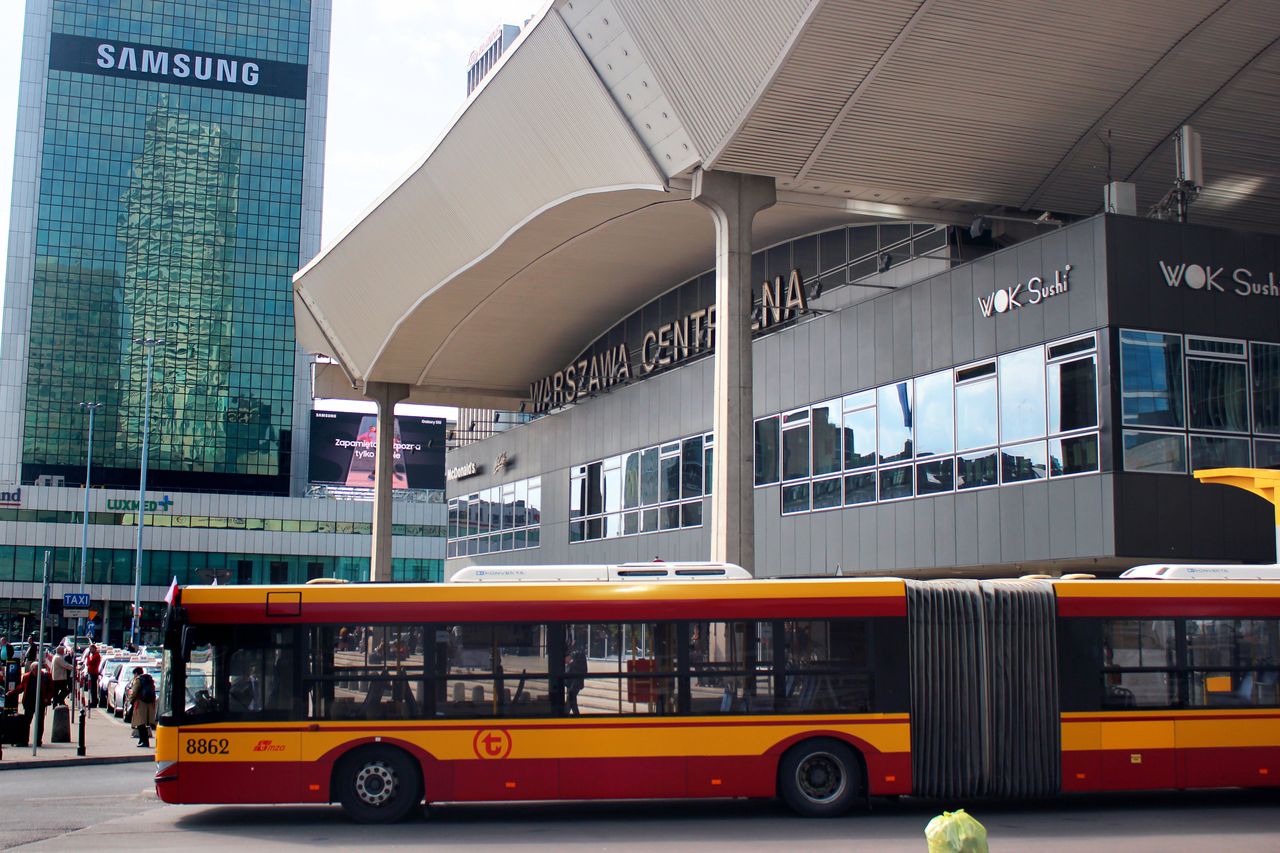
(233, 671)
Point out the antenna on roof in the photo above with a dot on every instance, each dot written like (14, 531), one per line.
(1189, 181)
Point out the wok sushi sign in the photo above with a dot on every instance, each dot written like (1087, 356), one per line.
(1210, 278)
(1033, 291)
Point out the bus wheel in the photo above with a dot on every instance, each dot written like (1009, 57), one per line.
(378, 785)
(820, 778)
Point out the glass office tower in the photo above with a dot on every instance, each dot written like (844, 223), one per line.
(175, 193)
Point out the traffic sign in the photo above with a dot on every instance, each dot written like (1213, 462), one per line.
(75, 605)
(90, 629)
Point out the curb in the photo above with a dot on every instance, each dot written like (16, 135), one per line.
(76, 762)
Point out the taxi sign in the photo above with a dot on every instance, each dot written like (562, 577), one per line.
(75, 605)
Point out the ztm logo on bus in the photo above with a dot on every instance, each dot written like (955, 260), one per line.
(268, 746)
(492, 743)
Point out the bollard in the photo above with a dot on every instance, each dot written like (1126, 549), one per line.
(956, 832)
(80, 742)
(61, 732)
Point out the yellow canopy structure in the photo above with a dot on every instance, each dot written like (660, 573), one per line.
(1263, 482)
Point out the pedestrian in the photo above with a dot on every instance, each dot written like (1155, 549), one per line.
(576, 669)
(92, 663)
(33, 648)
(60, 673)
(9, 667)
(142, 693)
(27, 687)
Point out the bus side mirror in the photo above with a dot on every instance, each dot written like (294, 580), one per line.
(187, 642)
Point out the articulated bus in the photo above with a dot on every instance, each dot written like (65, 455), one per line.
(822, 692)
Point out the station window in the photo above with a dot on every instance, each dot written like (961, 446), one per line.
(1024, 416)
(643, 491)
(1193, 402)
(504, 518)
(1264, 362)
(1151, 379)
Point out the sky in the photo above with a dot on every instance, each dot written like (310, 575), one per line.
(397, 76)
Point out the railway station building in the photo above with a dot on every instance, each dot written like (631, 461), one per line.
(928, 309)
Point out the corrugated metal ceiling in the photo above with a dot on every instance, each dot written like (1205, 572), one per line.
(957, 103)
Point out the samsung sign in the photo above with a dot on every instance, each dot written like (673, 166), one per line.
(176, 65)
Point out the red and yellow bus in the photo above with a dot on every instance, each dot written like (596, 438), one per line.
(821, 692)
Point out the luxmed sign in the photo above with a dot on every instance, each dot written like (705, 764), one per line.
(125, 505)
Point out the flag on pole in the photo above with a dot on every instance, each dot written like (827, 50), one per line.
(172, 593)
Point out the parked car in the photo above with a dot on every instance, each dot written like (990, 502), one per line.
(106, 676)
(120, 704)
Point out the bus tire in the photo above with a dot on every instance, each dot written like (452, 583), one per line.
(378, 784)
(820, 778)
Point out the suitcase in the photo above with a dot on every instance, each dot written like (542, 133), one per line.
(14, 730)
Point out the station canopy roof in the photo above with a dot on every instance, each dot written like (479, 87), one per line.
(558, 199)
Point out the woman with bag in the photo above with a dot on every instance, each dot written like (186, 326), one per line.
(142, 692)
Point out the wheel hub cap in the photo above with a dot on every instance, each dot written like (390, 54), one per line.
(821, 777)
(376, 783)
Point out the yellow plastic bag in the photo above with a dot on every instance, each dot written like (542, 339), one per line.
(956, 832)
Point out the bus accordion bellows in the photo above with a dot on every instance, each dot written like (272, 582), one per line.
(820, 691)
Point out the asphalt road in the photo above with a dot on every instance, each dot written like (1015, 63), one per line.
(105, 808)
(49, 802)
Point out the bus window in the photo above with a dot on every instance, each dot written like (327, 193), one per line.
(1234, 662)
(1139, 663)
(828, 667)
(731, 668)
(493, 670)
(620, 668)
(365, 672)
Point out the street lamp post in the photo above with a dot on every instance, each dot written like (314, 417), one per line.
(149, 344)
(84, 561)
(88, 469)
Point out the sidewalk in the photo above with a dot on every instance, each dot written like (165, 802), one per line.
(107, 740)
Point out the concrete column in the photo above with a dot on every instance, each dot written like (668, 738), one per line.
(386, 395)
(733, 200)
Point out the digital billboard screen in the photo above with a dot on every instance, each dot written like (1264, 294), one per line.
(343, 447)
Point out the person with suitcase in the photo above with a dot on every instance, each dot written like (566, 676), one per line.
(27, 687)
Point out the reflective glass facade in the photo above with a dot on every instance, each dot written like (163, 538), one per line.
(644, 491)
(115, 566)
(503, 518)
(169, 206)
(1200, 402)
(971, 427)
